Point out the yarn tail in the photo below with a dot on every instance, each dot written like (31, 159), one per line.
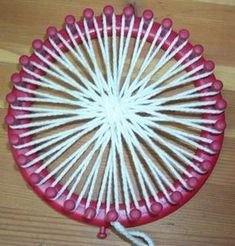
(135, 237)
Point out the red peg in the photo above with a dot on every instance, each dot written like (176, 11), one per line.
(108, 11)
(52, 33)
(216, 146)
(11, 98)
(88, 15)
(220, 125)
(90, 213)
(221, 104)
(112, 215)
(217, 85)
(167, 23)
(51, 192)
(128, 12)
(22, 160)
(35, 178)
(102, 233)
(135, 214)
(206, 166)
(14, 139)
(176, 196)
(70, 20)
(16, 78)
(209, 66)
(69, 205)
(10, 120)
(148, 16)
(198, 50)
(156, 208)
(183, 35)
(24, 61)
(192, 182)
(38, 45)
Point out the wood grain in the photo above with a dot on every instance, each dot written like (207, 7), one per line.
(209, 218)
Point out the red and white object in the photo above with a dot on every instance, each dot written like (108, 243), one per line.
(144, 99)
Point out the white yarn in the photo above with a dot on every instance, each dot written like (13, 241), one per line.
(119, 116)
(133, 236)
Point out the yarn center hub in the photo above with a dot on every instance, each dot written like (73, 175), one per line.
(113, 109)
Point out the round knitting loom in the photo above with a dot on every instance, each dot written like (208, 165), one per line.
(116, 120)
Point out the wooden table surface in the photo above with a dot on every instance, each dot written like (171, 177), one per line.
(209, 218)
